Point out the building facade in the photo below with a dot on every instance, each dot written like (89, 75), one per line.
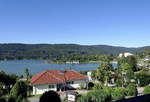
(57, 80)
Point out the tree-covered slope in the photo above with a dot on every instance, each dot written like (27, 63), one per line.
(48, 51)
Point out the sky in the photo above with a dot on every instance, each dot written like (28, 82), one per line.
(86, 22)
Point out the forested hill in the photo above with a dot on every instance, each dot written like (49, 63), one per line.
(48, 51)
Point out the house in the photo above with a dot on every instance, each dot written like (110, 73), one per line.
(56, 80)
(125, 54)
(147, 59)
(73, 62)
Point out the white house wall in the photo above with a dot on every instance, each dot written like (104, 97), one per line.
(77, 83)
(40, 89)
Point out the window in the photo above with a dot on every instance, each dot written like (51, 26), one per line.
(51, 86)
(70, 82)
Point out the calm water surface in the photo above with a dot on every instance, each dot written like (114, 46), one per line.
(36, 66)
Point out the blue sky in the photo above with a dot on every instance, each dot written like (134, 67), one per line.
(87, 22)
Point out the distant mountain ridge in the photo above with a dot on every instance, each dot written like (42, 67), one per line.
(48, 51)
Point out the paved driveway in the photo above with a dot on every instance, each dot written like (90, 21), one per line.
(33, 99)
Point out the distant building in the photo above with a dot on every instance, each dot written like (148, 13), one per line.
(23, 79)
(89, 74)
(147, 58)
(56, 80)
(72, 62)
(125, 54)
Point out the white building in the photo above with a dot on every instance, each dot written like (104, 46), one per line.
(72, 62)
(89, 74)
(56, 80)
(125, 54)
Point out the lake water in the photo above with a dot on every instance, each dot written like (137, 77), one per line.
(36, 66)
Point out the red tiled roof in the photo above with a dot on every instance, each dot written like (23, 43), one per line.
(56, 76)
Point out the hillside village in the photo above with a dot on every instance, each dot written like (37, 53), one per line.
(131, 78)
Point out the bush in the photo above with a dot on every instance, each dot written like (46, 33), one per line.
(97, 86)
(95, 96)
(147, 90)
(118, 93)
(82, 86)
(143, 78)
(18, 92)
(132, 90)
(108, 89)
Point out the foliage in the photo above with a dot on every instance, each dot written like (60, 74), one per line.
(82, 86)
(103, 73)
(1, 89)
(118, 82)
(85, 58)
(128, 70)
(54, 51)
(26, 71)
(84, 72)
(130, 60)
(126, 67)
(118, 78)
(8, 79)
(95, 96)
(147, 90)
(108, 89)
(132, 90)
(118, 93)
(18, 92)
(143, 78)
(97, 86)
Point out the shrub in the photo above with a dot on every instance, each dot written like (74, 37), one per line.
(82, 86)
(143, 78)
(83, 98)
(95, 96)
(118, 93)
(107, 89)
(97, 86)
(132, 90)
(18, 92)
(147, 90)
(118, 82)
(1, 89)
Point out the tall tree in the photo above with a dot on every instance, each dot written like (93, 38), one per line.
(18, 92)
(131, 60)
(27, 73)
(103, 73)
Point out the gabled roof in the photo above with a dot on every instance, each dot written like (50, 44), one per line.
(56, 76)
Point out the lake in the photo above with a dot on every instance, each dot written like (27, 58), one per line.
(36, 66)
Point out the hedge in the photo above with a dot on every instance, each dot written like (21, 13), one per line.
(95, 96)
(147, 90)
(118, 93)
(132, 90)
